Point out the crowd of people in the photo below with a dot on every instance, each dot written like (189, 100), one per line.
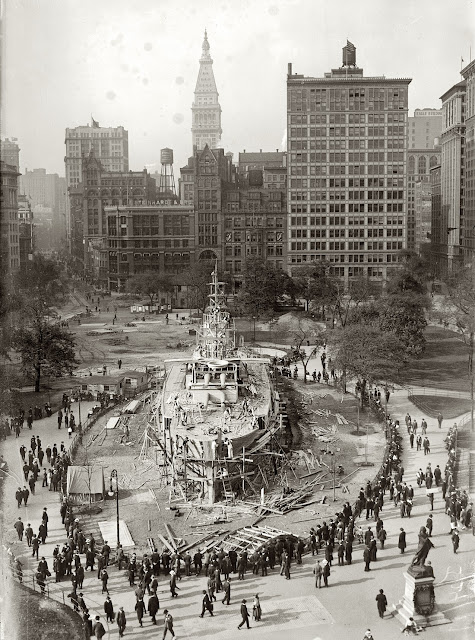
(352, 525)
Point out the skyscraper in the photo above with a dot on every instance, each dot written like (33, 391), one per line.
(467, 223)
(10, 152)
(423, 153)
(206, 111)
(9, 227)
(347, 178)
(110, 146)
(47, 190)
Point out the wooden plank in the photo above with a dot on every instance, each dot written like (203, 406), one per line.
(170, 536)
(165, 542)
(199, 541)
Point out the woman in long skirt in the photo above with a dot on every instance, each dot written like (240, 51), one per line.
(256, 608)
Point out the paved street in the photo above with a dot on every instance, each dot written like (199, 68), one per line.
(295, 607)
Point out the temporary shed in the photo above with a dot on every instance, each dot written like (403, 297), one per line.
(85, 484)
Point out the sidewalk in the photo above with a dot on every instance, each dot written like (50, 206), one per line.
(290, 608)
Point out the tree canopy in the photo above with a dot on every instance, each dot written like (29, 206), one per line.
(364, 352)
(45, 349)
(43, 282)
(150, 283)
(262, 285)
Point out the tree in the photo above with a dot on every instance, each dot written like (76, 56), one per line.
(305, 284)
(404, 315)
(459, 310)
(150, 284)
(45, 349)
(262, 285)
(302, 332)
(197, 280)
(411, 275)
(43, 280)
(364, 352)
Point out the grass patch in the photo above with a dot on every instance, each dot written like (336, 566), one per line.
(448, 407)
(443, 364)
(41, 618)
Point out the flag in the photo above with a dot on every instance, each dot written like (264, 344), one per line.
(94, 123)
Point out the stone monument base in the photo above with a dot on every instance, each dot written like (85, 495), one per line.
(418, 601)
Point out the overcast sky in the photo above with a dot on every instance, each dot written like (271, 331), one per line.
(135, 64)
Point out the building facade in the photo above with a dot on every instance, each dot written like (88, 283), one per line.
(26, 230)
(144, 238)
(110, 146)
(48, 190)
(206, 110)
(467, 240)
(347, 170)
(424, 127)
(452, 178)
(422, 215)
(423, 152)
(10, 152)
(419, 164)
(9, 226)
(99, 189)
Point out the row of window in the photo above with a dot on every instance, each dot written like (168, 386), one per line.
(319, 221)
(344, 118)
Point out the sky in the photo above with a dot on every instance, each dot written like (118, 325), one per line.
(135, 64)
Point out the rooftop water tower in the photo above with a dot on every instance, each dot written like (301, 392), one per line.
(166, 187)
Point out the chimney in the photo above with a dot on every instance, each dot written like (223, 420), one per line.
(289, 69)
(260, 150)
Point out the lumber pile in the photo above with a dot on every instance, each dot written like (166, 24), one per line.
(281, 504)
(251, 538)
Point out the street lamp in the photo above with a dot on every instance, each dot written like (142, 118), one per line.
(115, 475)
(254, 331)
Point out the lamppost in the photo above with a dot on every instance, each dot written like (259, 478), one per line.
(254, 330)
(114, 474)
(332, 453)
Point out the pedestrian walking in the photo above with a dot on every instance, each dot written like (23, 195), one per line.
(402, 540)
(256, 608)
(153, 606)
(168, 624)
(244, 615)
(440, 417)
(367, 558)
(104, 579)
(455, 540)
(227, 590)
(207, 605)
(20, 527)
(109, 609)
(98, 628)
(368, 635)
(28, 534)
(121, 621)
(382, 603)
(140, 611)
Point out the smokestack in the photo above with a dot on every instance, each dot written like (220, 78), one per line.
(289, 69)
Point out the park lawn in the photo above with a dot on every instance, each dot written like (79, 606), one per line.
(444, 363)
(449, 407)
(40, 618)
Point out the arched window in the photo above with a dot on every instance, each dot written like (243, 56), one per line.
(412, 164)
(422, 165)
(433, 162)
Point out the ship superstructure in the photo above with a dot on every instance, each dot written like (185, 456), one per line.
(216, 404)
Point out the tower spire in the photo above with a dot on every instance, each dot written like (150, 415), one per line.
(206, 111)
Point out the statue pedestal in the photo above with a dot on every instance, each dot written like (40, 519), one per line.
(418, 601)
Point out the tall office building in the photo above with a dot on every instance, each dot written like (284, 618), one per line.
(110, 146)
(467, 240)
(206, 111)
(448, 225)
(48, 190)
(423, 153)
(9, 226)
(424, 127)
(347, 173)
(10, 152)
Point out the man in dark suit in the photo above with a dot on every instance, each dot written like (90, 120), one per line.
(153, 607)
(206, 606)
(121, 621)
(382, 603)
(109, 609)
(227, 590)
(367, 558)
(402, 540)
(244, 615)
(20, 527)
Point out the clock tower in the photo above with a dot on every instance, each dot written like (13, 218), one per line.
(206, 111)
